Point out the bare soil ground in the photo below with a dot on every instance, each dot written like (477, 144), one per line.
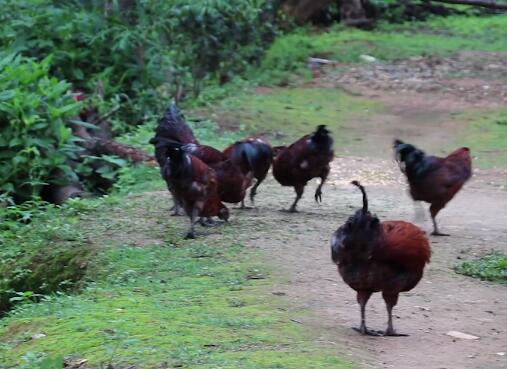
(297, 245)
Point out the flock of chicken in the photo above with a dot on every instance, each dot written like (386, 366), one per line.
(372, 256)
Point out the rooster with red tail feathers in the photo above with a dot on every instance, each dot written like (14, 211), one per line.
(374, 256)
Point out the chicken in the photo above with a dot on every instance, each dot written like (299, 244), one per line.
(207, 154)
(432, 179)
(173, 128)
(307, 158)
(257, 154)
(194, 186)
(374, 256)
(233, 178)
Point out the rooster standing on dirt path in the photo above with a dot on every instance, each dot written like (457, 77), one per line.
(254, 153)
(374, 256)
(305, 159)
(171, 127)
(194, 186)
(432, 179)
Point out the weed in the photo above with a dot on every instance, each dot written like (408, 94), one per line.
(492, 267)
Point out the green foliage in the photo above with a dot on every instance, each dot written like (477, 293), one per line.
(35, 143)
(139, 54)
(34, 361)
(45, 255)
(492, 267)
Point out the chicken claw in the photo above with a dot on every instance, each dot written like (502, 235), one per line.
(439, 234)
(190, 236)
(368, 332)
(394, 334)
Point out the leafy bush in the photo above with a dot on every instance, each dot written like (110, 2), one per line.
(138, 53)
(46, 255)
(35, 143)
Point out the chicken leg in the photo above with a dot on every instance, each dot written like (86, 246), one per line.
(318, 191)
(391, 301)
(433, 212)
(299, 193)
(362, 299)
(193, 219)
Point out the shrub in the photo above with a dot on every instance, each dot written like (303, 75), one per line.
(141, 52)
(35, 143)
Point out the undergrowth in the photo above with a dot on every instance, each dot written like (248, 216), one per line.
(492, 267)
(152, 299)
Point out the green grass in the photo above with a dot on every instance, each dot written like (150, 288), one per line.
(439, 36)
(152, 298)
(288, 113)
(486, 135)
(492, 267)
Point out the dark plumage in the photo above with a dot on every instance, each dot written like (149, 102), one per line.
(233, 178)
(374, 256)
(305, 159)
(433, 179)
(194, 185)
(255, 154)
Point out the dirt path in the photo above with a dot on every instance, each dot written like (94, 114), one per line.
(298, 246)
(443, 301)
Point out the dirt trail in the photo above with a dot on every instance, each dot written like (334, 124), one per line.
(298, 247)
(442, 302)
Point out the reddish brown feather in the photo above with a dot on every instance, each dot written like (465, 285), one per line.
(404, 244)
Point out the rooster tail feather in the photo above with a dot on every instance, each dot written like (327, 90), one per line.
(365, 197)
(172, 125)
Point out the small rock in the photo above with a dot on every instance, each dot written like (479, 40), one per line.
(36, 336)
(461, 335)
(367, 58)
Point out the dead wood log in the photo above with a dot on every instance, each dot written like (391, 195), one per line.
(302, 10)
(490, 4)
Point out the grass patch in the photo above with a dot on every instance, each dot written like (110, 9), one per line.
(486, 135)
(439, 36)
(492, 267)
(285, 114)
(152, 298)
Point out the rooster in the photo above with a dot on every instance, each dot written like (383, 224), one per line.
(194, 186)
(374, 256)
(257, 155)
(432, 179)
(233, 178)
(172, 128)
(307, 158)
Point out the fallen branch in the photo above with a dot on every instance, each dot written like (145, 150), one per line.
(490, 4)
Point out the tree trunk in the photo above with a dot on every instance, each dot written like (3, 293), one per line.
(491, 4)
(351, 11)
(302, 10)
